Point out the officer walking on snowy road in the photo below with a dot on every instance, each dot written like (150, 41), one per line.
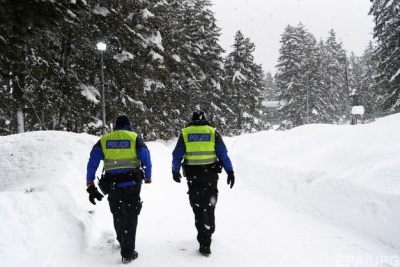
(125, 156)
(203, 153)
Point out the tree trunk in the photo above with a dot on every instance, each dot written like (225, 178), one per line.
(20, 121)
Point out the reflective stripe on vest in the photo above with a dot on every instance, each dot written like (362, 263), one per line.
(200, 145)
(119, 148)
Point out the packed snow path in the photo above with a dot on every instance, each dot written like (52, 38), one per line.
(252, 230)
(313, 196)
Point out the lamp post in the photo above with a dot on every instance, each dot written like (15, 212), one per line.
(102, 47)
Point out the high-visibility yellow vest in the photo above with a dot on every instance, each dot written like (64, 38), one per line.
(200, 145)
(119, 148)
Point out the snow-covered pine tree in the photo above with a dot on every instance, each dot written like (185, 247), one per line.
(208, 58)
(180, 77)
(387, 33)
(317, 100)
(369, 88)
(244, 86)
(334, 69)
(133, 60)
(354, 79)
(157, 113)
(194, 61)
(270, 92)
(288, 78)
(21, 36)
(298, 78)
(59, 65)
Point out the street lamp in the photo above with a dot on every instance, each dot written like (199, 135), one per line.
(102, 47)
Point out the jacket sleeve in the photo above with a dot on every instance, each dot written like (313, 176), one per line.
(222, 153)
(177, 154)
(144, 156)
(96, 155)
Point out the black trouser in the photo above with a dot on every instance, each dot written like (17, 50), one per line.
(203, 196)
(125, 206)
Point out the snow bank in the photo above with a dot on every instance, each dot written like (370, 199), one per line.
(350, 174)
(42, 216)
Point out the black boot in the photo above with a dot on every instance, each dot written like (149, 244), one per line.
(205, 250)
(130, 258)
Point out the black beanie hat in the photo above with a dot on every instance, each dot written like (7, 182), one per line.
(122, 120)
(198, 115)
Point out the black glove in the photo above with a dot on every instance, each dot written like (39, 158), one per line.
(231, 178)
(177, 176)
(94, 193)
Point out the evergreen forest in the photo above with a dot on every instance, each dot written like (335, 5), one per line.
(163, 61)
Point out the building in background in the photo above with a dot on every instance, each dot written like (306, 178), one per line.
(269, 111)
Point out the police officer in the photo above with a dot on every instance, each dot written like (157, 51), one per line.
(200, 147)
(125, 155)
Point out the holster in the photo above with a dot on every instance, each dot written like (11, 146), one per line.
(108, 182)
(218, 166)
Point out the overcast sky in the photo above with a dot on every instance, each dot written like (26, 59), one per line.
(264, 21)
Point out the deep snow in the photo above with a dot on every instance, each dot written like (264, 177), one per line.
(317, 195)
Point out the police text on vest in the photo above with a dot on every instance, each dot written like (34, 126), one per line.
(199, 137)
(118, 144)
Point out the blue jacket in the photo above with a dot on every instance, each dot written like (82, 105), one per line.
(220, 150)
(96, 155)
